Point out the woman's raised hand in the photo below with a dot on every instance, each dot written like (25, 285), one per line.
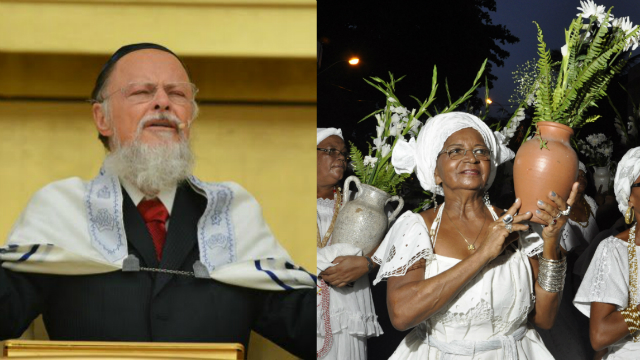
(498, 237)
(555, 217)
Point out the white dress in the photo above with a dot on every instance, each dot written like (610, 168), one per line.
(352, 314)
(576, 233)
(487, 319)
(607, 281)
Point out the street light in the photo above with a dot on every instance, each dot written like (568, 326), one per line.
(353, 61)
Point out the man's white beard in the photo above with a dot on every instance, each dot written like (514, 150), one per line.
(151, 168)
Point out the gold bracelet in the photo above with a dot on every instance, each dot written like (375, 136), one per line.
(631, 317)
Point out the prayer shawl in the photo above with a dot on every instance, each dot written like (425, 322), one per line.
(71, 227)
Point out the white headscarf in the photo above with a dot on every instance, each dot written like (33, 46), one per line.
(324, 133)
(422, 154)
(628, 171)
(582, 167)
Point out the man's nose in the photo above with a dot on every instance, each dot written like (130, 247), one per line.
(161, 100)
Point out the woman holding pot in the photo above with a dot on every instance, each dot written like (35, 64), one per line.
(345, 312)
(609, 291)
(486, 275)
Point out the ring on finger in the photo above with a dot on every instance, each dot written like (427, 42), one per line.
(557, 216)
(567, 211)
(553, 222)
(509, 228)
(508, 219)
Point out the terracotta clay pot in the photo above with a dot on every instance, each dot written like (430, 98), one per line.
(537, 172)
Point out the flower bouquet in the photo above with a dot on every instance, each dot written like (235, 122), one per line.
(563, 92)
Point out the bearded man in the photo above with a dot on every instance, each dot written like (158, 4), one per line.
(145, 251)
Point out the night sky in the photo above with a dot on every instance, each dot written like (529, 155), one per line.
(409, 37)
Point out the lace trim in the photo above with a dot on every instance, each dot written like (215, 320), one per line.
(426, 254)
(481, 312)
(603, 267)
(356, 324)
(326, 203)
(535, 251)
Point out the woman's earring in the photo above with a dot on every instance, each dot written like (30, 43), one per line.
(485, 198)
(629, 216)
(434, 200)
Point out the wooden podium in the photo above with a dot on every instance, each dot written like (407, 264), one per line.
(32, 349)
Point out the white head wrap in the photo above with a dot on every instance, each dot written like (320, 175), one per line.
(628, 171)
(582, 167)
(324, 133)
(422, 154)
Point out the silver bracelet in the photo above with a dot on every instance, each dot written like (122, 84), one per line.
(551, 274)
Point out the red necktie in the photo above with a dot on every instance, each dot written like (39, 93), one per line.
(155, 215)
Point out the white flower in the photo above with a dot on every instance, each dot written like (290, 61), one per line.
(627, 26)
(395, 118)
(370, 160)
(380, 122)
(607, 151)
(391, 100)
(386, 148)
(415, 127)
(378, 143)
(563, 50)
(531, 99)
(379, 131)
(401, 110)
(589, 9)
(519, 115)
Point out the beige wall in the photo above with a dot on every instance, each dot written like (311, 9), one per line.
(253, 60)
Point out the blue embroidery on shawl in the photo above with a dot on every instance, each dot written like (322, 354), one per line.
(216, 238)
(104, 210)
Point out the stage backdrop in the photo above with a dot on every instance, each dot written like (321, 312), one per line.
(253, 60)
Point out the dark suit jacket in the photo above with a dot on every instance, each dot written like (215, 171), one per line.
(143, 306)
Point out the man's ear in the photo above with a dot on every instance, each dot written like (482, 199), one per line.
(102, 122)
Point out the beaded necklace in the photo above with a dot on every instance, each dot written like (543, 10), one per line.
(633, 279)
(588, 211)
(322, 242)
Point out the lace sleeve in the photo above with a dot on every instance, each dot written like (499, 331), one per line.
(530, 241)
(406, 242)
(607, 278)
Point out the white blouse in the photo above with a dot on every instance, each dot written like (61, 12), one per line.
(488, 317)
(576, 233)
(607, 281)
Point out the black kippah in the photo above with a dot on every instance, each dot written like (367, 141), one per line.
(108, 67)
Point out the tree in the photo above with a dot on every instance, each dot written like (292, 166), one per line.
(405, 38)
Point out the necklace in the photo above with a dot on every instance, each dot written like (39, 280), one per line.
(322, 242)
(587, 210)
(470, 246)
(633, 271)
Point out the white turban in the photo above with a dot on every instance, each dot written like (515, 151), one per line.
(324, 133)
(422, 154)
(628, 171)
(582, 167)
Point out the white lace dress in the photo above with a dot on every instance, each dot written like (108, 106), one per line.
(576, 233)
(352, 314)
(487, 319)
(607, 281)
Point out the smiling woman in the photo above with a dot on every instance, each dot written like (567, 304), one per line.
(477, 292)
